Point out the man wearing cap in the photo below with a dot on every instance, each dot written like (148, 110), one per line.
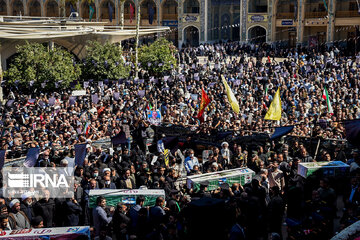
(26, 205)
(226, 155)
(17, 218)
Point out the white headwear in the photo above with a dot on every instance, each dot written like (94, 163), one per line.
(26, 195)
(13, 202)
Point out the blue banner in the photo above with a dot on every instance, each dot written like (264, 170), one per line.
(80, 154)
(281, 131)
(352, 129)
(31, 157)
(170, 23)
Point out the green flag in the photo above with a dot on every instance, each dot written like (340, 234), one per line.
(91, 13)
(326, 6)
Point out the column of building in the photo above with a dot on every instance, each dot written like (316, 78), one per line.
(270, 19)
(243, 20)
(203, 14)
(331, 23)
(301, 20)
(180, 23)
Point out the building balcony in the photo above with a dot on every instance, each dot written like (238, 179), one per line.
(346, 14)
(285, 15)
(315, 14)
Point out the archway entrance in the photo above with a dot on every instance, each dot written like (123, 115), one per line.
(257, 34)
(191, 36)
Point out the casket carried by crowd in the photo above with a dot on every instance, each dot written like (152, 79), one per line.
(333, 168)
(125, 196)
(215, 179)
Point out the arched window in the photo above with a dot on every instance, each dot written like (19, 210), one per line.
(257, 6)
(191, 6)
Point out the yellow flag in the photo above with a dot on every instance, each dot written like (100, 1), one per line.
(166, 156)
(274, 112)
(231, 97)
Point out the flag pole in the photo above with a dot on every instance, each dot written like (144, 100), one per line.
(317, 149)
(137, 42)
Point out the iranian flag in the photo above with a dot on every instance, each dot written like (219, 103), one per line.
(149, 107)
(87, 128)
(326, 97)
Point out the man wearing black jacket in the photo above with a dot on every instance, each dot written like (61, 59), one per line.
(45, 208)
(120, 222)
(73, 211)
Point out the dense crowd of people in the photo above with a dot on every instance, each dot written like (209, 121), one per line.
(276, 196)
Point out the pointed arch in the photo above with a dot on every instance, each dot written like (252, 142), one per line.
(51, 8)
(3, 7)
(127, 10)
(104, 10)
(191, 6)
(34, 8)
(148, 11)
(257, 6)
(191, 35)
(17, 8)
(169, 10)
(257, 34)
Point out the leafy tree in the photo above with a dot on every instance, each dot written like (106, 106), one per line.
(104, 61)
(157, 58)
(36, 67)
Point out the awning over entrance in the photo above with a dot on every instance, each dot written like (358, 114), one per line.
(72, 35)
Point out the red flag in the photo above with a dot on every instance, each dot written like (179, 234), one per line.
(204, 102)
(100, 110)
(131, 12)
